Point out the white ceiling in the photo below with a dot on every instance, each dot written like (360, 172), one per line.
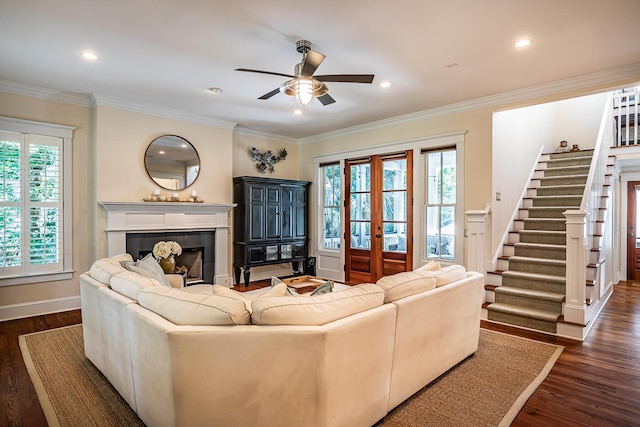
(166, 53)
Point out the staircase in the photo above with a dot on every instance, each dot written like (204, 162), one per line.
(528, 289)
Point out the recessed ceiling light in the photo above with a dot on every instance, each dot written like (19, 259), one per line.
(297, 112)
(160, 152)
(215, 90)
(523, 43)
(385, 84)
(89, 55)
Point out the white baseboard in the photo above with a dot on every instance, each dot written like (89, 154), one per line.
(36, 308)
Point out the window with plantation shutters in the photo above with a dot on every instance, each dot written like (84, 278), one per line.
(33, 187)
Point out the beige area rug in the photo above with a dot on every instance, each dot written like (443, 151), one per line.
(487, 389)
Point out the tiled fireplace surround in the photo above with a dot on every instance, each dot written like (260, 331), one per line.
(169, 217)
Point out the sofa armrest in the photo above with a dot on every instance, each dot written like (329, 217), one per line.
(175, 280)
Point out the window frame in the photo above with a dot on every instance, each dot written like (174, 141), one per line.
(440, 204)
(65, 133)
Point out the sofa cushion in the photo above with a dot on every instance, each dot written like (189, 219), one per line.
(446, 275)
(129, 284)
(403, 284)
(185, 308)
(316, 310)
(430, 266)
(104, 269)
(277, 290)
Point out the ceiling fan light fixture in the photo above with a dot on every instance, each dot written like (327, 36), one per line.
(303, 90)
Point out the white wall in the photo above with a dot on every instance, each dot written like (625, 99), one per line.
(519, 135)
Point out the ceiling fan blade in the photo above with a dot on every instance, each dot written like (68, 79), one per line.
(311, 63)
(270, 94)
(326, 99)
(346, 78)
(263, 72)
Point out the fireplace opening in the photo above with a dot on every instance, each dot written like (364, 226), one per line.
(196, 262)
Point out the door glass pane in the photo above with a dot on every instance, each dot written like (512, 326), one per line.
(394, 174)
(286, 251)
(395, 237)
(272, 253)
(360, 206)
(395, 206)
(360, 177)
(331, 228)
(360, 235)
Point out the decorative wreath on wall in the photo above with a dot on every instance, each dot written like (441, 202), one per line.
(266, 159)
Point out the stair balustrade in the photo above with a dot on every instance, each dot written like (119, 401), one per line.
(626, 112)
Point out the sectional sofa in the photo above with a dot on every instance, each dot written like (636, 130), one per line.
(210, 356)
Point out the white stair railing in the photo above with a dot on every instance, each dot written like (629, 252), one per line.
(582, 224)
(626, 112)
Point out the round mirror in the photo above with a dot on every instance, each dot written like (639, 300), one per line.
(172, 162)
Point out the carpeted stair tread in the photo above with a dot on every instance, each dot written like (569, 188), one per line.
(559, 200)
(540, 245)
(530, 313)
(535, 276)
(530, 293)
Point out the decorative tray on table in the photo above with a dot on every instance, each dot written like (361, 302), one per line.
(306, 283)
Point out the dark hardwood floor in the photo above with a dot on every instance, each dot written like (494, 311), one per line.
(594, 383)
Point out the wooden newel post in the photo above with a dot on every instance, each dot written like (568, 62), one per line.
(477, 240)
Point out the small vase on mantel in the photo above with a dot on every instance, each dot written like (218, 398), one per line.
(168, 264)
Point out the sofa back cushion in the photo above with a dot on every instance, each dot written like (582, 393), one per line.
(104, 269)
(130, 284)
(403, 284)
(316, 310)
(185, 308)
(445, 275)
(277, 290)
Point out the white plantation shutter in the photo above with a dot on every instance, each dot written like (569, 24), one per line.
(32, 200)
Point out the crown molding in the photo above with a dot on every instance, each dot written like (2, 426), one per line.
(83, 100)
(122, 104)
(239, 130)
(566, 85)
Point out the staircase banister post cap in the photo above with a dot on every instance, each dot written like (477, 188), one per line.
(576, 216)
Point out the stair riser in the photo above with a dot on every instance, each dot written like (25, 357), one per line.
(510, 319)
(534, 285)
(552, 306)
(574, 170)
(548, 253)
(494, 279)
(555, 191)
(557, 201)
(535, 267)
(545, 239)
(532, 224)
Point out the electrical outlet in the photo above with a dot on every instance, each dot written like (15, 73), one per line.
(498, 196)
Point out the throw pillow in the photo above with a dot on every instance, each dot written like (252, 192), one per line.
(322, 289)
(277, 282)
(430, 266)
(150, 264)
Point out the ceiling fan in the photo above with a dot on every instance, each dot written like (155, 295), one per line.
(303, 85)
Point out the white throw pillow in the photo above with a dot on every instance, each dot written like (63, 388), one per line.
(154, 270)
(430, 266)
(446, 275)
(403, 284)
(184, 308)
(316, 310)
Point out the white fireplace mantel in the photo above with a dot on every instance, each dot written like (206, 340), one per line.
(149, 217)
